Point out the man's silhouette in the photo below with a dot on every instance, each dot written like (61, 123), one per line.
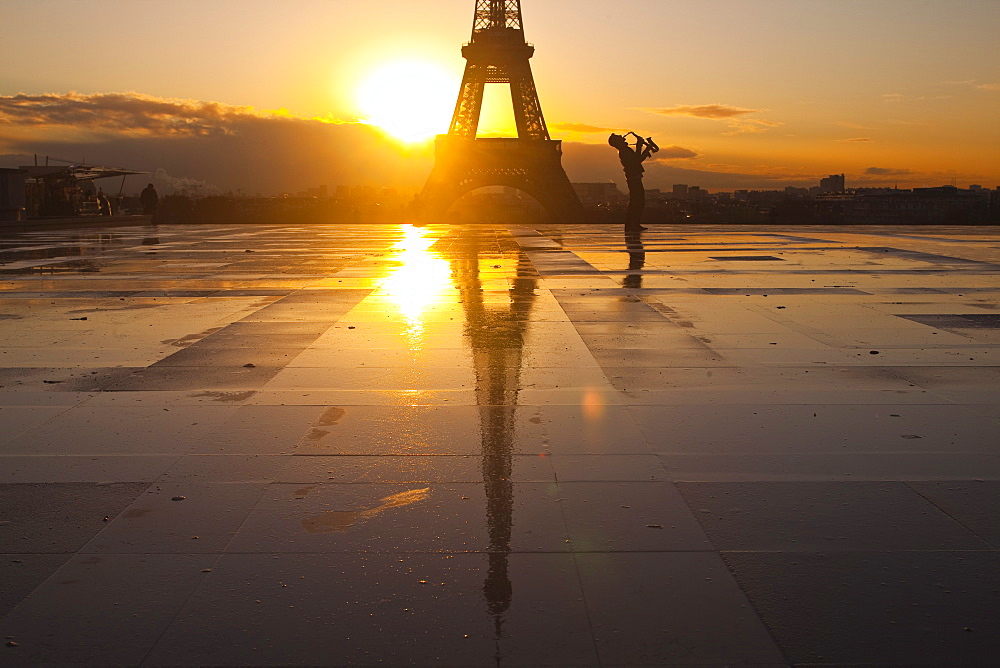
(632, 159)
(148, 198)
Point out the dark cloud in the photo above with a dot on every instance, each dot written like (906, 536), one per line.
(887, 171)
(732, 116)
(674, 153)
(225, 148)
(132, 113)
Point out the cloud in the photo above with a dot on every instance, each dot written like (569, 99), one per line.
(582, 128)
(222, 146)
(856, 139)
(732, 116)
(131, 113)
(715, 111)
(887, 171)
(971, 83)
(674, 153)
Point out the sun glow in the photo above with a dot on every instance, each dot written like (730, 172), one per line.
(411, 100)
(418, 282)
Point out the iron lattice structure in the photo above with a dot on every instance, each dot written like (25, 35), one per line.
(498, 54)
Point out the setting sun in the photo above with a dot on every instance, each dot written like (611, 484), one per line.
(410, 100)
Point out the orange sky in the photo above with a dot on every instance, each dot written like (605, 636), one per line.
(767, 92)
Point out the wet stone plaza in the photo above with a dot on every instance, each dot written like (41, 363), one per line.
(500, 445)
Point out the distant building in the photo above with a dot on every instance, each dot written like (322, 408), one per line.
(680, 190)
(597, 193)
(832, 184)
(943, 205)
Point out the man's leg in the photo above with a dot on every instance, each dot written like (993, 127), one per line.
(636, 204)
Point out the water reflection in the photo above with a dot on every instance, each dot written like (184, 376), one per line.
(418, 282)
(496, 322)
(636, 260)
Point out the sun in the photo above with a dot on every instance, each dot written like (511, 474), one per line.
(409, 99)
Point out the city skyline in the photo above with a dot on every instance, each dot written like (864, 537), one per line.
(740, 95)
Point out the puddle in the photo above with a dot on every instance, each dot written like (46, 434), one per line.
(330, 417)
(340, 520)
(190, 338)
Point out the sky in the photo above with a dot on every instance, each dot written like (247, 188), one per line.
(268, 96)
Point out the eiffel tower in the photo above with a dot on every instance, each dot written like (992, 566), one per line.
(532, 162)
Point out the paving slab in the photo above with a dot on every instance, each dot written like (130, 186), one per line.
(499, 445)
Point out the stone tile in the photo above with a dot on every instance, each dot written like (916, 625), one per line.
(396, 518)
(823, 516)
(671, 609)
(422, 609)
(103, 609)
(59, 517)
(971, 502)
(167, 378)
(394, 430)
(629, 516)
(804, 429)
(17, 397)
(590, 427)
(258, 430)
(115, 431)
(875, 608)
(224, 468)
(407, 469)
(575, 468)
(15, 420)
(20, 574)
(83, 468)
(178, 518)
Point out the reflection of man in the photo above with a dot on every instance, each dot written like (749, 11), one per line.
(636, 260)
(632, 159)
(148, 198)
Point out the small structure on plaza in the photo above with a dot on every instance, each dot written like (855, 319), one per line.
(69, 190)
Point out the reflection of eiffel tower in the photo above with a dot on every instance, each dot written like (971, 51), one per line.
(496, 334)
(532, 162)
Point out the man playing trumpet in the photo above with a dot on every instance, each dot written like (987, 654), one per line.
(632, 159)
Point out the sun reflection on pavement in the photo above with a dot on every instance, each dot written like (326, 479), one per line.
(418, 282)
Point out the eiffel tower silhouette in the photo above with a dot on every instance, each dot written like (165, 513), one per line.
(531, 162)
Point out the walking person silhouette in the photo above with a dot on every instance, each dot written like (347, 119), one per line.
(632, 159)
